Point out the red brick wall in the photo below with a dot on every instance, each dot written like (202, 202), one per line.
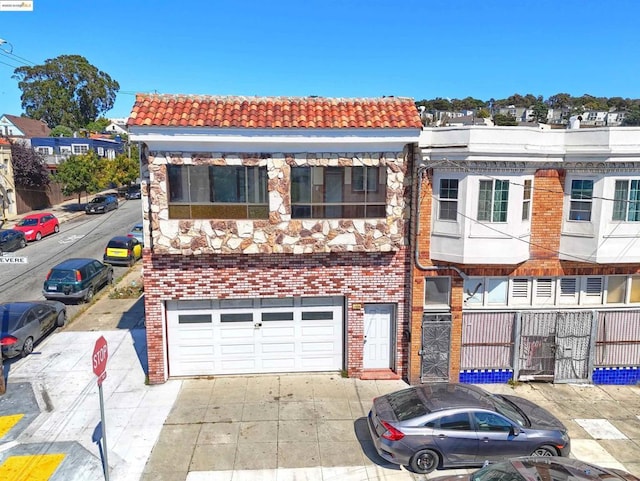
(360, 277)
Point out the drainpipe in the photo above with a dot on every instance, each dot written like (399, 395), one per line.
(422, 170)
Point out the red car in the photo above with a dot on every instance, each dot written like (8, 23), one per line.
(36, 226)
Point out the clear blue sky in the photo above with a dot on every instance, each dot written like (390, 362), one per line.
(335, 48)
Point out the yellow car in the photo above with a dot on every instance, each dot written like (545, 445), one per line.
(123, 250)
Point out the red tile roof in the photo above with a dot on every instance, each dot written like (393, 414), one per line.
(274, 112)
(4, 141)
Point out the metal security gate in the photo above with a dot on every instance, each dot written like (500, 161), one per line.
(436, 345)
(556, 346)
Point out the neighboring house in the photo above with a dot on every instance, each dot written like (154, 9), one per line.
(7, 182)
(527, 256)
(594, 118)
(615, 118)
(117, 127)
(276, 233)
(22, 128)
(57, 149)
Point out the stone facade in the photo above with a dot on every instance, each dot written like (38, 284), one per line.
(279, 233)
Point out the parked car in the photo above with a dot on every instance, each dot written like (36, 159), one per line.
(101, 204)
(11, 240)
(133, 192)
(77, 279)
(122, 250)
(539, 468)
(136, 231)
(22, 324)
(445, 425)
(36, 226)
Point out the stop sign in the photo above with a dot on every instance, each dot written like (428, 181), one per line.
(99, 359)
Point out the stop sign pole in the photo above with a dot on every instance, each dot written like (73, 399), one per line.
(99, 364)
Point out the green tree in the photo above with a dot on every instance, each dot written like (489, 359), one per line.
(632, 117)
(98, 125)
(504, 120)
(61, 131)
(121, 171)
(66, 90)
(80, 173)
(540, 111)
(483, 114)
(29, 169)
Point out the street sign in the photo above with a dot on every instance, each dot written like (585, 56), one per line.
(12, 260)
(99, 359)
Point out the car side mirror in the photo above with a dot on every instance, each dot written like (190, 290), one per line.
(515, 430)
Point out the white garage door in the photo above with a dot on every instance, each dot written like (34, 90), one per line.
(299, 338)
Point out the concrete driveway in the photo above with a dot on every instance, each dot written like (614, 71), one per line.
(313, 427)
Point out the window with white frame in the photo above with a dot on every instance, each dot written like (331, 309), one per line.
(493, 200)
(616, 289)
(44, 150)
(581, 200)
(79, 148)
(497, 290)
(626, 203)
(100, 151)
(520, 291)
(591, 292)
(448, 199)
(526, 200)
(65, 149)
(473, 288)
(437, 291)
(491, 292)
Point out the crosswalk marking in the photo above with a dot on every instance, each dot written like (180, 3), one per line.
(37, 467)
(8, 422)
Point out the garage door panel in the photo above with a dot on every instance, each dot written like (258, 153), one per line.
(225, 341)
(277, 347)
(279, 332)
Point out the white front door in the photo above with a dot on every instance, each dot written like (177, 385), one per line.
(378, 323)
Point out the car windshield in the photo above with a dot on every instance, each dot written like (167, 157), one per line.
(26, 222)
(65, 276)
(406, 404)
(98, 200)
(137, 228)
(510, 410)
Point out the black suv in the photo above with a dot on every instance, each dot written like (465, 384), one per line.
(101, 204)
(133, 192)
(77, 279)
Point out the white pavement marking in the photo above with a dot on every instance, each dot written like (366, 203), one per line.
(600, 429)
(590, 450)
(340, 473)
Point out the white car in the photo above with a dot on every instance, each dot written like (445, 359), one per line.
(136, 231)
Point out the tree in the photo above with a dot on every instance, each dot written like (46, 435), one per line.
(29, 169)
(61, 131)
(80, 173)
(632, 117)
(120, 171)
(98, 125)
(540, 111)
(66, 90)
(504, 120)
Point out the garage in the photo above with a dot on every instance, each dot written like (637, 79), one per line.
(247, 336)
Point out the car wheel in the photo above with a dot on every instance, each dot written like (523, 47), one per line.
(56, 229)
(545, 451)
(89, 295)
(38, 236)
(425, 461)
(27, 348)
(62, 318)
(23, 243)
